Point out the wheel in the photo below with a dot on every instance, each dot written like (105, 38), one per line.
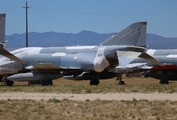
(9, 83)
(46, 82)
(94, 82)
(164, 78)
(95, 79)
(34, 82)
(164, 81)
(121, 83)
(1, 76)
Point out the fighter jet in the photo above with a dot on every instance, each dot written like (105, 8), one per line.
(166, 72)
(43, 64)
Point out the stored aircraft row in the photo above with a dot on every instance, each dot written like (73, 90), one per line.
(43, 64)
(166, 72)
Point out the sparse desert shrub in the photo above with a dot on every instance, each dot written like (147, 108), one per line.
(54, 100)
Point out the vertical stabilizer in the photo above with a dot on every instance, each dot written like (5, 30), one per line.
(2, 27)
(134, 34)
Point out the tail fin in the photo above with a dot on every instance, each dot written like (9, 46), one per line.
(2, 27)
(134, 34)
(3, 51)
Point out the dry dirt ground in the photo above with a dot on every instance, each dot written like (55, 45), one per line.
(139, 99)
(155, 95)
(84, 97)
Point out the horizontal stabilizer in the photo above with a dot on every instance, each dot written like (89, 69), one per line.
(9, 55)
(2, 41)
(150, 58)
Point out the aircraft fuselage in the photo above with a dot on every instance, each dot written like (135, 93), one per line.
(84, 58)
(168, 58)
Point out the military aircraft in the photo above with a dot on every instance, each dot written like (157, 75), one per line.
(43, 64)
(166, 72)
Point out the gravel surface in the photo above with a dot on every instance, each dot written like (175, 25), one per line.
(83, 97)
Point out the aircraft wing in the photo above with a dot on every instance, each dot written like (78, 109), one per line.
(135, 65)
(146, 67)
(125, 57)
(131, 67)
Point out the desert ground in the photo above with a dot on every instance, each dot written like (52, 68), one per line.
(140, 98)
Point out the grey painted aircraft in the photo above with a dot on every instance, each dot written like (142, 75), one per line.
(43, 64)
(168, 57)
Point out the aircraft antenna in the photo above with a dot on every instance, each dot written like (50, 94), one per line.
(26, 7)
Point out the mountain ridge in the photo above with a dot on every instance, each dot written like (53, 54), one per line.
(55, 39)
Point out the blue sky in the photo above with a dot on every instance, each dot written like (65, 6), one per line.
(102, 16)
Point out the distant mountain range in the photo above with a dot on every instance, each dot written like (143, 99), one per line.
(49, 39)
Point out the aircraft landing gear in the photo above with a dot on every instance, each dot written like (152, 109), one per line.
(5, 81)
(1, 76)
(42, 82)
(119, 77)
(34, 82)
(95, 78)
(164, 77)
(46, 82)
(9, 83)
